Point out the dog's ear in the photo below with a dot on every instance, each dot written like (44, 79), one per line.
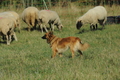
(51, 33)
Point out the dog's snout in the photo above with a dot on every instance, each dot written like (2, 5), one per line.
(43, 37)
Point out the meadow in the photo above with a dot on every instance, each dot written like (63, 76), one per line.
(30, 57)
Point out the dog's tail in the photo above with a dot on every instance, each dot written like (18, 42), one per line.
(84, 46)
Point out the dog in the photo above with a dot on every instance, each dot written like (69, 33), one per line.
(59, 45)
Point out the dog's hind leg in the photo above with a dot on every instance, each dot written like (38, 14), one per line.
(60, 54)
(80, 52)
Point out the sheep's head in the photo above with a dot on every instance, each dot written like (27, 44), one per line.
(79, 24)
(60, 27)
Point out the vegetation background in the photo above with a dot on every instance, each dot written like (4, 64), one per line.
(17, 4)
(30, 57)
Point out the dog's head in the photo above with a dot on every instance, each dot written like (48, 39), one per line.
(48, 36)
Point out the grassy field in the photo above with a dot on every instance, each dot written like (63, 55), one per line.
(30, 57)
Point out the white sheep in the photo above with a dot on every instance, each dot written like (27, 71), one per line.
(51, 18)
(93, 16)
(11, 14)
(17, 17)
(30, 17)
(7, 25)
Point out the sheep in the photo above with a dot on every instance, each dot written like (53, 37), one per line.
(93, 16)
(11, 14)
(7, 25)
(30, 17)
(51, 18)
(17, 17)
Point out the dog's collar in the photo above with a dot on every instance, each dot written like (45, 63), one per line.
(52, 41)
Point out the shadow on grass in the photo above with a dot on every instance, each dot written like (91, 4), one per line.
(4, 41)
(38, 29)
(84, 31)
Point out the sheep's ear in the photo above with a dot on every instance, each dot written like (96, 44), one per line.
(80, 21)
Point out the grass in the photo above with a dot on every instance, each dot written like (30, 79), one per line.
(30, 57)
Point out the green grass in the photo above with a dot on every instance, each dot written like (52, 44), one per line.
(30, 57)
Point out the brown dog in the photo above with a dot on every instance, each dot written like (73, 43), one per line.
(59, 45)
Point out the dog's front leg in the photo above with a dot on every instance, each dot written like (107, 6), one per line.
(54, 53)
(73, 54)
(71, 48)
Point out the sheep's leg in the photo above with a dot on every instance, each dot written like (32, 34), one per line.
(52, 27)
(9, 38)
(104, 22)
(103, 27)
(92, 27)
(19, 26)
(40, 25)
(29, 27)
(0, 37)
(33, 24)
(34, 27)
(45, 28)
(8, 43)
(15, 36)
(96, 26)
